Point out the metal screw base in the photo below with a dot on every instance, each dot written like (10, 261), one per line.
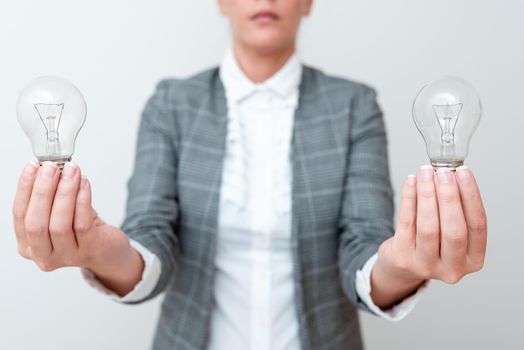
(59, 162)
(451, 165)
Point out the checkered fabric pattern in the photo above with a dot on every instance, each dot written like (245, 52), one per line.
(342, 206)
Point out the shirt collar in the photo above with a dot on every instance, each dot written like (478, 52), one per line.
(238, 85)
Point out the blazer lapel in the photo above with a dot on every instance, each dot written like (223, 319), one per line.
(200, 167)
(319, 158)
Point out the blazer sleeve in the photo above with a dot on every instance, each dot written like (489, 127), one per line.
(152, 206)
(366, 218)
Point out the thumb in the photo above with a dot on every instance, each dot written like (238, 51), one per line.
(85, 215)
(408, 213)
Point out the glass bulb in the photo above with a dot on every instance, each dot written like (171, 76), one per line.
(447, 113)
(51, 111)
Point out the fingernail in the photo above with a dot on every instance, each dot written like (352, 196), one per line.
(463, 174)
(411, 180)
(83, 183)
(444, 175)
(426, 173)
(48, 169)
(30, 170)
(69, 170)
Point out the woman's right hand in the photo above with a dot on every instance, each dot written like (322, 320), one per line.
(56, 226)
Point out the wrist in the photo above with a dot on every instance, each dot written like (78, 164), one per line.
(123, 277)
(389, 274)
(389, 284)
(117, 265)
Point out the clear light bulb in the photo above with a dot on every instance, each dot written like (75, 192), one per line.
(51, 111)
(447, 113)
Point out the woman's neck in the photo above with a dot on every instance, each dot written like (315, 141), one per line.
(258, 66)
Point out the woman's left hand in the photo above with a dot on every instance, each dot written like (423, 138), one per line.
(441, 234)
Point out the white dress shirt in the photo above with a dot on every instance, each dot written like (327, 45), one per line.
(253, 293)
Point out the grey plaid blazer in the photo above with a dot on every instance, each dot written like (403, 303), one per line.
(342, 203)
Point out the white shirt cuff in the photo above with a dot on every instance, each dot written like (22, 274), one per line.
(150, 277)
(395, 313)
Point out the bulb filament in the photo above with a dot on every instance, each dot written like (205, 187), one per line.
(50, 115)
(447, 117)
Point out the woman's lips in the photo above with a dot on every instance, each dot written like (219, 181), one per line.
(264, 17)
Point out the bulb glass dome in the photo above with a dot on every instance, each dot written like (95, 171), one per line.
(51, 111)
(447, 113)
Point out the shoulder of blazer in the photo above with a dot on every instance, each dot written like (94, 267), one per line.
(315, 81)
(206, 87)
(191, 90)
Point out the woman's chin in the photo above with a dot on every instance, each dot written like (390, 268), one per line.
(267, 44)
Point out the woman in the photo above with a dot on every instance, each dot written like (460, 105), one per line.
(260, 204)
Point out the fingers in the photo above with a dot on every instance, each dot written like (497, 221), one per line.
(21, 202)
(61, 220)
(475, 215)
(406, 226)
(84, 213)
(39, 209)
(453, 230)
(443, 214)
(428, 226)
(44, 214)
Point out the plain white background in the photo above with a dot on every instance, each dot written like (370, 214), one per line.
(115, 51)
